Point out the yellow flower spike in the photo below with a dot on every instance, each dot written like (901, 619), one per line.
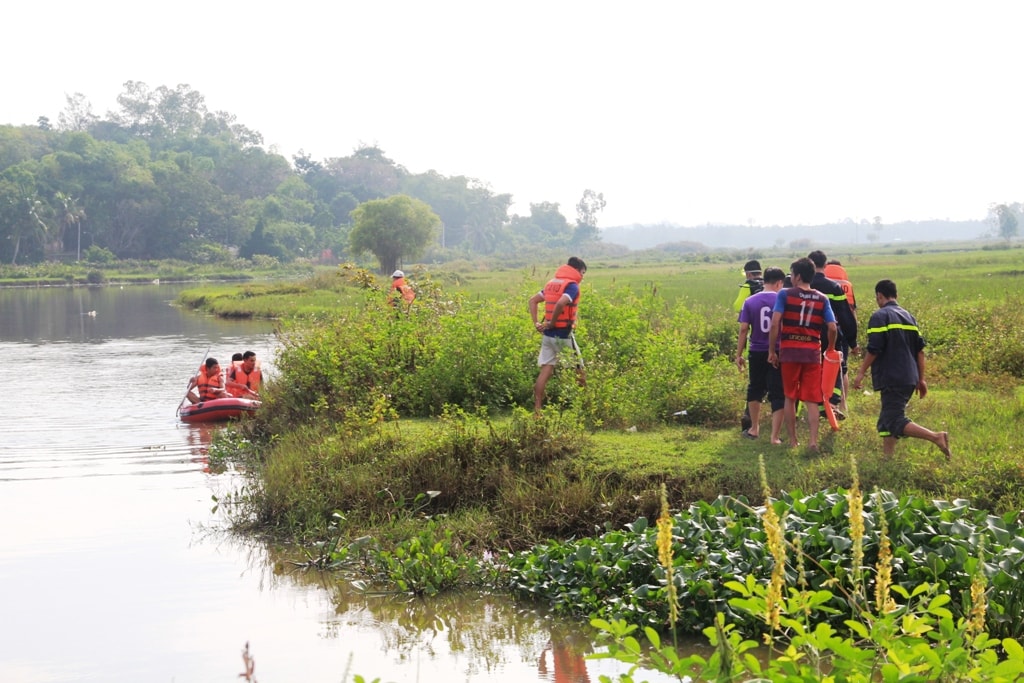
(663, 541)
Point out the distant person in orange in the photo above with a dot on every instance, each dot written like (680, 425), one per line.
(244, 377)
(400, 288)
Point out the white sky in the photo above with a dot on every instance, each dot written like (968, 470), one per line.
(687, 112)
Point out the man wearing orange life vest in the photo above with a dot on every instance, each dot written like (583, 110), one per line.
(208, 382)
(561, 297)
(834, 271)
(243, 380)
(399, 286)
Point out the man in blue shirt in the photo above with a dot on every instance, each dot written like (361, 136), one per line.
(561, 297)
(896, 357)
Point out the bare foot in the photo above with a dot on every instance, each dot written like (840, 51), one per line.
(813, 447)
(943, 444)
(794, 444)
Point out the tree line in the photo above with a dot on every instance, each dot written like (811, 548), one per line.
(163, 177)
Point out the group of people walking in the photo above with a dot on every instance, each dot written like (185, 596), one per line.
(790, 322)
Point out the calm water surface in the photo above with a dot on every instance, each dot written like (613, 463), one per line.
(112, 567)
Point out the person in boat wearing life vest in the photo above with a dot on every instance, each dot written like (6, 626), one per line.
(208, 382)
(561, 297)
(244, 376)
(400, 288)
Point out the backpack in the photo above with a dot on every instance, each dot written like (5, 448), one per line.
(755, 286)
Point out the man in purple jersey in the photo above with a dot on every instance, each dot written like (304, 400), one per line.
(763, 378)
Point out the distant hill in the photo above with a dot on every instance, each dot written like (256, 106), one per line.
(744, 236)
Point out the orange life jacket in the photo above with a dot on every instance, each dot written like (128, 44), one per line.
(404, 288)
(834, 271)
(251, 380)
(207, 386)
(554, 290)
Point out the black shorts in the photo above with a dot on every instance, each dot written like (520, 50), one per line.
(892, 419)
(764, 379)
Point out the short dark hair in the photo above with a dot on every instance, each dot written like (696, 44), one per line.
(774, 275)
(236, 356)
(210, 362)
(833, 262)
(818, 258)
(248, 354)
(577, 263)
(886, 288)
(803, 267)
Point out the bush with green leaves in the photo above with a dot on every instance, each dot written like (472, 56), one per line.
(645, 362)
(617, 576)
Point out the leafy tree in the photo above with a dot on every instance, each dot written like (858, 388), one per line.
(70, 213)
(587, 211)
(367, 174)
(393, 229)
(22, 212)
(77, 114)
(1006, 221)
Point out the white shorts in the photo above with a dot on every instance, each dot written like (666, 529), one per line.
(551, 349)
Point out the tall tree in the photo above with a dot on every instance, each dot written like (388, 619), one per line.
(588, 209)
(393, 229)
(71, 214)
(22, 211)
(1006, 221)
(77, 114)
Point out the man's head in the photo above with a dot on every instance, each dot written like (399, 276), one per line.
(249, 360)
(752, 269)
(577, 263)
(236, 356)
(773, 279)
(397, 274)
(885, 290)
(802, 271)
(212, 363)
(818, 258)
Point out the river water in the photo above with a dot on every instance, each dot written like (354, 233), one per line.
(113, 564)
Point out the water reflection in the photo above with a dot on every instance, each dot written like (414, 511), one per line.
(471, 636)
(112, 566)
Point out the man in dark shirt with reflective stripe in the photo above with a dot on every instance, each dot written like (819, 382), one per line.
(895, 355)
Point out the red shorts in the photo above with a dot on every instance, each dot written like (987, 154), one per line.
(802, 382)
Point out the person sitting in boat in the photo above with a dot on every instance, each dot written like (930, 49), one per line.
(208, 382)
(243, 380)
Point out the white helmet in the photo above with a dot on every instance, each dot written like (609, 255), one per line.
(398, 273)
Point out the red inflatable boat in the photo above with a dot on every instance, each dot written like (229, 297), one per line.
(217, 410)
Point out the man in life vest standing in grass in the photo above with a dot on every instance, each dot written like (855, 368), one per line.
(401, 288)
(561, 297)
(896, 358)
(802, 317)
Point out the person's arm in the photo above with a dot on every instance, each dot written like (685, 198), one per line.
(869, 358)
(533, 305)
(922, 386)
(741, 345)
(773, 338)
(564, 300)
(833, 334)
(741, 297)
